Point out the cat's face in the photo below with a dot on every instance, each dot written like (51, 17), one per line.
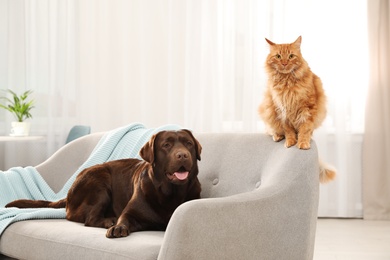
(284, 58)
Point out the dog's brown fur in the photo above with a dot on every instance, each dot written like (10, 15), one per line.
(131, 195)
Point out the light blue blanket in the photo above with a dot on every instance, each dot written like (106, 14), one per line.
(27, 183)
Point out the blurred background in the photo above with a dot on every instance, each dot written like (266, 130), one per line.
(196, 63)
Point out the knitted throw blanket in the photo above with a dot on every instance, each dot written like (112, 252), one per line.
(27, 183)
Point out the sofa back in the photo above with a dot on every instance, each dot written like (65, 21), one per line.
(233, 163)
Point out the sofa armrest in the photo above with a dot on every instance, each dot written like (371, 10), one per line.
(274, 221)
(57, 169)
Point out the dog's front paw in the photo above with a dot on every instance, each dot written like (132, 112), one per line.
(117, 231)
(109, 222)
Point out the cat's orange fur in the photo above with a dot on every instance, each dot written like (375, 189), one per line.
(294, 102)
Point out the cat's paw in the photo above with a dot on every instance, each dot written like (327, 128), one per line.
(277, 138)
(304, 145)
(290, 142)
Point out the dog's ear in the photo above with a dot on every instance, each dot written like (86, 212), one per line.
(198, 147)
(147, 151)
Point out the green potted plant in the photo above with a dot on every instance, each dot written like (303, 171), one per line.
(20, 106)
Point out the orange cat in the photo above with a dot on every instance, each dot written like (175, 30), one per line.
(294, 103)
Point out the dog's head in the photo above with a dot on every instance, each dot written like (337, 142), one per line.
(174, 155)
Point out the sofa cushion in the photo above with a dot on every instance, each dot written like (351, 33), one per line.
(62, 239)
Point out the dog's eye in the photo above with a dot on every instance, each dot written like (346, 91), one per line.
(166, 145)
(189, 143)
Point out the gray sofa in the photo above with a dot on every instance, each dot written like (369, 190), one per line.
(259, 201)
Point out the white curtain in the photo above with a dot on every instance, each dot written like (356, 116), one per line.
(197, 63)
(376, 164)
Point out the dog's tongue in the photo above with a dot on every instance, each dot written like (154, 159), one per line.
(181, 175)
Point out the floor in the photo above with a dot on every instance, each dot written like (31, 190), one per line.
(352, 239)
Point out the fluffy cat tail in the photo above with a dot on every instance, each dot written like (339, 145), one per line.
(327, 172)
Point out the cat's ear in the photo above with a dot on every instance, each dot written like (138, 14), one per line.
(269, 42)
(297, 42)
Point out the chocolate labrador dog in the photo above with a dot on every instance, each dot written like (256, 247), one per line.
(131, 195)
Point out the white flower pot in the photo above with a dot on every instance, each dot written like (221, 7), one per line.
(20, 128)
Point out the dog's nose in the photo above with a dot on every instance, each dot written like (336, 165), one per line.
(182, 155)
